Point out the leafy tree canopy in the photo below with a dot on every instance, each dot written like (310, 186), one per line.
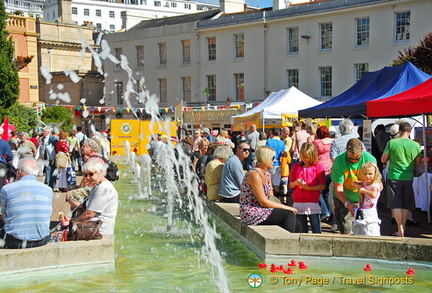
(9, 81)
(22, 117)
(61, 116)
(419, 55)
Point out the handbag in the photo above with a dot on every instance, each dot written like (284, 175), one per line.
(61, 160)
(84, 230)
(71, 176)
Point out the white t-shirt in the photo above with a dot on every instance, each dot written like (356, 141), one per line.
(103, 201)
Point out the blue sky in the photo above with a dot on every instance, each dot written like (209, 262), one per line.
(255, 3)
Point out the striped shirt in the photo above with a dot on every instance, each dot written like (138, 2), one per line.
(27, 206)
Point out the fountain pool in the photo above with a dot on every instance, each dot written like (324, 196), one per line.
(150, 259)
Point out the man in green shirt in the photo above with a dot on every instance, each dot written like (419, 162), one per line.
(404, 155)
(346, 169)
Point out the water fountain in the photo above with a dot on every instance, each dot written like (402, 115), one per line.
(165, 240)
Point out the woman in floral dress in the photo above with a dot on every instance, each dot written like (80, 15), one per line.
(255, 206)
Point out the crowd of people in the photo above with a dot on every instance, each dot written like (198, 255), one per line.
(26, 202)
(298, 177)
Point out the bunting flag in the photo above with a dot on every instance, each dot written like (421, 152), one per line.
(100, 109)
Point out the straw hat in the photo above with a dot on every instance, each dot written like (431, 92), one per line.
(219, 141)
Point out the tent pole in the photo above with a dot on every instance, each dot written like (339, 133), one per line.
(425, 166)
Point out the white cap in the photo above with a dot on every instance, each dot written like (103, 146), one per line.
(394, 130)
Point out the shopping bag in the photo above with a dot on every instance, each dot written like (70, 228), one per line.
(71, 176)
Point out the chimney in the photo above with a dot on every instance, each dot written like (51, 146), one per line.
(283, 4)
(232, 6)
(65, 11)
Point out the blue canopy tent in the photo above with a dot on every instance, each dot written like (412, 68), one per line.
(375, 85)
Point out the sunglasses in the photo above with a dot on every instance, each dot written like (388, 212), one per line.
(246, 150)
(274, 158)
(354, 159)
(90, 174)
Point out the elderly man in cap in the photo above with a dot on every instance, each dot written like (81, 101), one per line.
(207, 134)
(196, 139)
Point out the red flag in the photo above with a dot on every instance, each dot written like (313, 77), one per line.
(5, 129)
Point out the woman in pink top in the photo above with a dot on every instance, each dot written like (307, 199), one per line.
(323, 144)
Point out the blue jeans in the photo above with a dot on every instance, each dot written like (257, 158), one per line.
(326, 208)
(250, 161)
(315, 221)
(50, 177)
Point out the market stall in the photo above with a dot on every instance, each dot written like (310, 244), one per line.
(269, 112)
(374, 85)
(415, 101)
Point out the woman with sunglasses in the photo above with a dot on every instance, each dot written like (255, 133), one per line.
(256, 208)
(103, 199)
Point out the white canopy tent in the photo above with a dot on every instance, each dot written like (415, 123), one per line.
(269, 112)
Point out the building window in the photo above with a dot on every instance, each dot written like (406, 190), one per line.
(118, 52)
(74, 11)
(157, 3)
(186, 56)
(112, 28)
(186, 89)
(211, 87)
(292, 40)
(402, 26)
(360, 69)
(98, 13)
(188, 6)
(173, 5)
(98, 27)
(112, 14)
(140, 56)
(119, 92)
(163, 90)
(326, 81)
(239, 45)
(239, 86)
(293, 78)
(86, 12)
(162, 54)
(362, 31)
(211, 49)
(326, 32)
(54, 15)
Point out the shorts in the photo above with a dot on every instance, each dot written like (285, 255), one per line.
(276, 175)
(400, 194)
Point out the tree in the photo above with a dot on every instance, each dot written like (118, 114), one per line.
(9, 80)
(420, 55)
(61, 116)
(24, 118)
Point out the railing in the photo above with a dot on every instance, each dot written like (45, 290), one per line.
(298, 9)
(15, 21)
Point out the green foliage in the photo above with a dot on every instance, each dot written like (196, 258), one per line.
(59, 115)
(420, 55)
(22, 117)
(9, 81)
